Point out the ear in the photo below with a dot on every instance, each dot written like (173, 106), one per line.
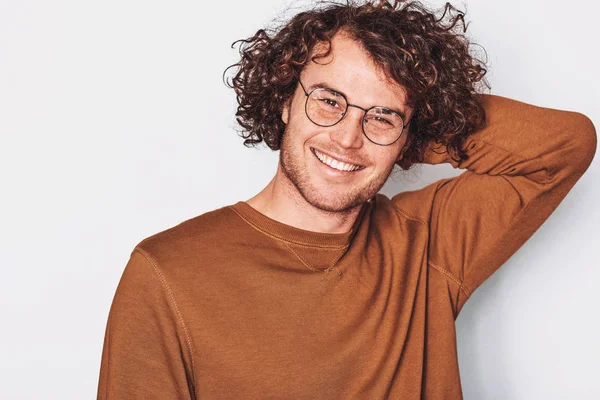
(400, 156)
(405, 145)
(285, 111)
(404, 148)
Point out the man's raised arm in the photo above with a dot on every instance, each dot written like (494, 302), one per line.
(521, 165)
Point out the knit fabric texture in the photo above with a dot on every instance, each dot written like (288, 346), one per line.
(231, 304)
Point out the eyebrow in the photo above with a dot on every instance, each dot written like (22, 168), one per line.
(323, 85)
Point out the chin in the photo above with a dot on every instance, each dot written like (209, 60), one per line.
(331, 201)
(318, 192)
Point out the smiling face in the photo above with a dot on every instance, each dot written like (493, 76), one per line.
(307, 149)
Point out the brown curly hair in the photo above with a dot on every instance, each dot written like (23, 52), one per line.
(416, 50)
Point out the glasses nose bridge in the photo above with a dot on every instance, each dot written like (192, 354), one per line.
(344, 136)
(364, 111)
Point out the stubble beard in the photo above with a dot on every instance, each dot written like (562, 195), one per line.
(291, 163)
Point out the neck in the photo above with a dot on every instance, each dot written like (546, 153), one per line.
(281, 201)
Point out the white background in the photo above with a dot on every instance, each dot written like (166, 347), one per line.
(115, 124)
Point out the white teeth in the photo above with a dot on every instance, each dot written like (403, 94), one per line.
(341, 166)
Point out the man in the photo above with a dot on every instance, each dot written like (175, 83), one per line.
(318, 286)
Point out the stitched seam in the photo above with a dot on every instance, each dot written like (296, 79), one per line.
(402, 213)
(336, 259)
(178, 313)
(332, 265)
(273, 236)
(502, 148)
(540, 157)
(329, 267)
(453, 278)
(301, 259)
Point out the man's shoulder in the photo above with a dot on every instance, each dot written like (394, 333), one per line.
(192, 237)
(408, 205)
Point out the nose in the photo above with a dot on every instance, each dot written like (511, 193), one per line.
(348, 132)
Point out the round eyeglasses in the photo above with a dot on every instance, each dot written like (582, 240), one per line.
(326, 107)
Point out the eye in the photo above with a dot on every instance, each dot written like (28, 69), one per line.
(330, 102)
(383, 120)
(379, 120)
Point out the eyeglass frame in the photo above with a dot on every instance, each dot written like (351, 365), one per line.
(366, 110)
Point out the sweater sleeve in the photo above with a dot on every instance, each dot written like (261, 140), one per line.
(146, 354)
(522, 164)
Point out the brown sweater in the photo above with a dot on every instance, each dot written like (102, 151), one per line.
(234, 305)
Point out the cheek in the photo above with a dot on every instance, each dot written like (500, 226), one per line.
(305, 131)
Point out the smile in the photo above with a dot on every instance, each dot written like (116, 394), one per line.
(336, 164)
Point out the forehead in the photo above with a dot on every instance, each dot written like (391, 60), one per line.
(351, 70)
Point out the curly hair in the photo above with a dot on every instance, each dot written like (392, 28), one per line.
(415, 49)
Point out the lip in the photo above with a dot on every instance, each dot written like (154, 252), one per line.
(335, 157)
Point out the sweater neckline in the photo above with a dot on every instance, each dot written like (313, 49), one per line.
(295, 235)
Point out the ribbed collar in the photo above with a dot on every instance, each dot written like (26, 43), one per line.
(296, 235)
